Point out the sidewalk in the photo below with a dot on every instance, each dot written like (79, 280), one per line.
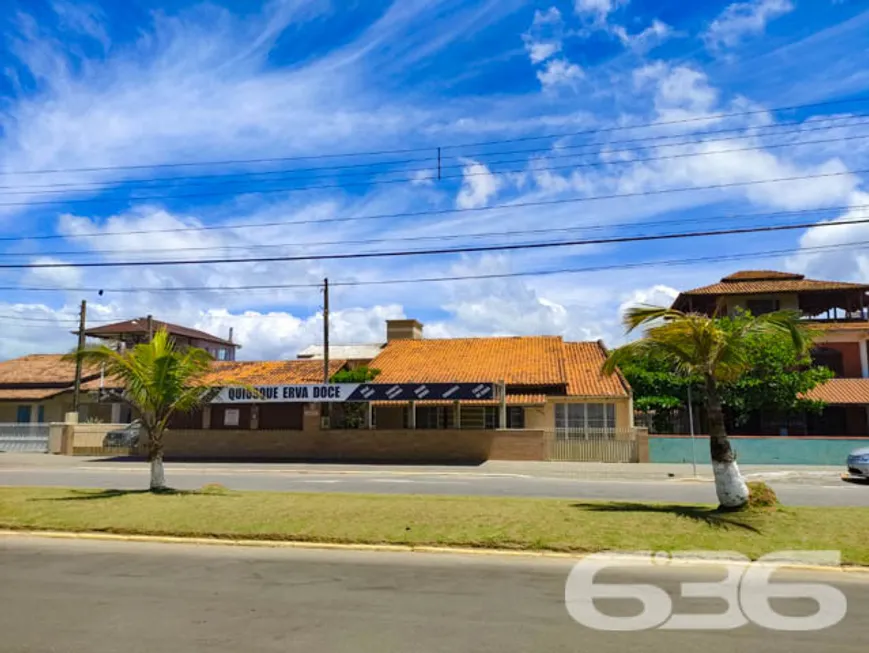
(641, 472)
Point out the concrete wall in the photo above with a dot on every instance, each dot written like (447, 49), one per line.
(759, 450)
(92, 435)
(56, 407)
(405, 446)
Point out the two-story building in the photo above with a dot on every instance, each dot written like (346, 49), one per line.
(838, 310)
(38, 388)
(133, 332)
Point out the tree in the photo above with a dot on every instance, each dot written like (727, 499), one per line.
(776, 378)
(717, 352)
(159, 380)
(352, 414)
(774, 381)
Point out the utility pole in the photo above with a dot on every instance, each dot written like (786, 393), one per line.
(325, 408)
(150, 328)
(82, 316)
(326, 330)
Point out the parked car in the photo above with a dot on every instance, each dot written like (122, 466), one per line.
(858, 465)
(125, 437)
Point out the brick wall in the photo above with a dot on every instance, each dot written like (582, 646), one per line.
(412, 446)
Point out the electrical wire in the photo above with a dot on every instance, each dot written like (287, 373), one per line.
(432, 252)
(434, 176)
(434, 168)
(816, 213)
(796, 251)
(587, 132)
(429, 212)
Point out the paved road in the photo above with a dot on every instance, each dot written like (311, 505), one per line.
(455, 482)
(102, 597)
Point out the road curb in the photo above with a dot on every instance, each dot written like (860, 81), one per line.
(398, 548)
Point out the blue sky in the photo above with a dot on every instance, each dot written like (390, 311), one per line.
(577, 99)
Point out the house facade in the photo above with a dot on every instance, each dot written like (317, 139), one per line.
(839, 314)
(554, 390)
(38, 388)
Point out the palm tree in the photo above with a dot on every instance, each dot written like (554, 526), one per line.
(159, 380)
(715, 350)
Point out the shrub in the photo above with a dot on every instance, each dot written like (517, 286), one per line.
(761, 495)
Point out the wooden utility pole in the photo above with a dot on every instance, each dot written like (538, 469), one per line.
(82, 317)
(150, 328)
(326, 330)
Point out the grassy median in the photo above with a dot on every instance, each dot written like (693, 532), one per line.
(535, 524)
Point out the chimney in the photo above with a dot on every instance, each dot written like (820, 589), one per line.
(403, 330)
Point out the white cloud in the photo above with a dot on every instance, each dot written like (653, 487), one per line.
(83, 18)
(838, 264)
(680, 92)
(51, 277)
(657, 295)
(479, 185)
(599, 9)
(543, 39)
(559, 73)
(742, 19)
(645, 40)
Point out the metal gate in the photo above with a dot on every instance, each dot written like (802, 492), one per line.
(592, 446)
(24, 437)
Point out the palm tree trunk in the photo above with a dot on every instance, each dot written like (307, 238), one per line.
(729, 485)
(155, 456)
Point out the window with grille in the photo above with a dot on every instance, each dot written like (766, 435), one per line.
(577, 420)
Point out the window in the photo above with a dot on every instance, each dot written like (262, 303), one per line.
(830, 358)
(515, 417)
(762, 306)
(40, 414)
(430, 417)
(22, 414)
(583, 420)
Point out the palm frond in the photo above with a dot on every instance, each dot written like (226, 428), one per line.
(637, 316)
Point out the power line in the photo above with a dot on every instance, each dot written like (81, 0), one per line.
(818, 213)
(433, 149)
(799, 251)
(245, 177)
(430, 212)
(375, 182)
(435, 252)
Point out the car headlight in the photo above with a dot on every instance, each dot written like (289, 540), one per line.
(863, 458)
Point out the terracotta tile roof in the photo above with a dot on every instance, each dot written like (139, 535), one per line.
(29, 394)
(268, 372)
(512, 400)
(535, 360)
(761, 275)
(520, 361)
(41, 369)
(749, 282)
(139, 326)
(841, 391)
(583, 361)
(251, 373)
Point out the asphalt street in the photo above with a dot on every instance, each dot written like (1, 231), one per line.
(101, 597)
(829, 492)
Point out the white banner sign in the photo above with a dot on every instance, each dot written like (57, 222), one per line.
(263, 394)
